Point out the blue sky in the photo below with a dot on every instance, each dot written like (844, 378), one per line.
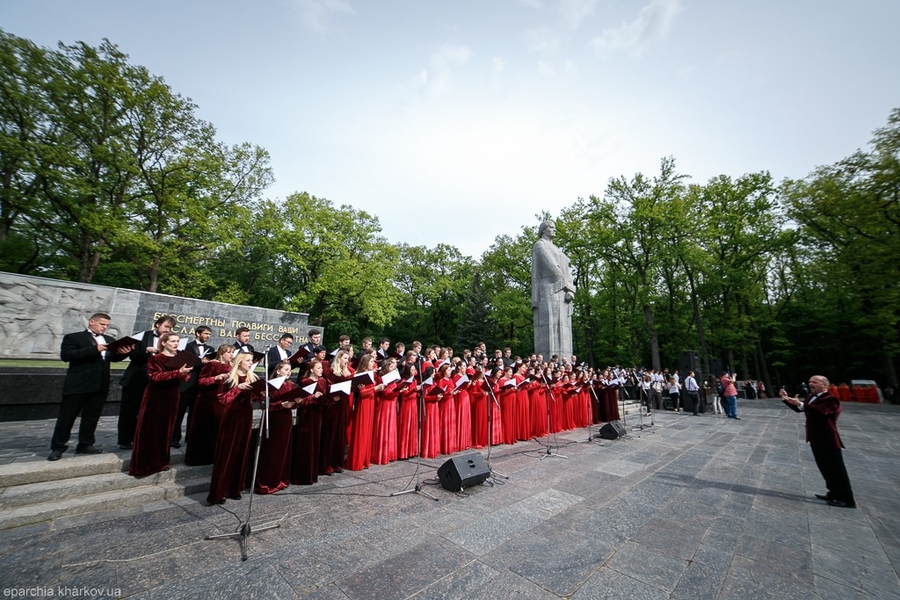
(454, 122)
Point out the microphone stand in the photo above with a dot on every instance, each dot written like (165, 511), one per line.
(490, 417)
(420, 410)
(549, 452)
(641, 409)
(244, 534)
(590, 437)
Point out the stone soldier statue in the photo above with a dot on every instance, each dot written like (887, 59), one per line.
(552, 293)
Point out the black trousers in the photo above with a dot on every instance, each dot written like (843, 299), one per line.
(128, 412)
(831, 465)
(89, 406)
(185, 406)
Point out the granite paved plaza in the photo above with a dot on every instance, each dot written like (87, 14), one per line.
(696, 507)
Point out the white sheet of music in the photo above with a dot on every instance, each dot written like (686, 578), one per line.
(391, 376)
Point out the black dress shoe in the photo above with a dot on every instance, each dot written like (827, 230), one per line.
(823, 496)
(839, 503)
(88, 450)
(175, 445)
(235, 497)
(55, 454)
(125, 446)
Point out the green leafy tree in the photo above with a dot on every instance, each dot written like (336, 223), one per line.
(849, 216)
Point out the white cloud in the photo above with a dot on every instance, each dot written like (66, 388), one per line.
(436, 80)
(316, 14)
(573, 12)
(652, 24)
(544, 39)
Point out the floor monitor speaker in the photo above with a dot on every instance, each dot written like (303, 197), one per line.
(612, 431)
(462, 471)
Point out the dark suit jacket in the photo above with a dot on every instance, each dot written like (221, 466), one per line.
(88, 371)
(193, 347)
(136, 373)
(275, 357)
(239, 347)
(821, 421)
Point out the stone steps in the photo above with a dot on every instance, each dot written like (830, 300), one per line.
(36, 491)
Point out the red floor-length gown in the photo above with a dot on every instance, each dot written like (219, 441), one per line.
(156, 419)
(523, 410)
(431, 423)
(507, 398)
(447, 410)
(463, 416)
(274, 472)
(334, 428)
(584, 405)
(305, 459)
(478, 398)
(556, 407)
(362, 421)
(201, 435)
(408, 426)
(569, 395)
(229, 475)
(612, 402)
(538, 399)
(384, 432)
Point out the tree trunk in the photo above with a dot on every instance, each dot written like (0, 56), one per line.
(701, 334)
(888, 360)
(154, 274)
(654, 338)
(765, 369)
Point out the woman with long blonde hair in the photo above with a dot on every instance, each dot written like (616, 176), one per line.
(236, 424)
(334, 417)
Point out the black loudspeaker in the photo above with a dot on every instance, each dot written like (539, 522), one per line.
(612, 431)
(463, 471)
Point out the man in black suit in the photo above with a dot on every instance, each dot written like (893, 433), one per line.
(315, 340)
(242, 340)
(86, 385)
(280, 351)
(822, 411)
(135, 380)
(188, 389)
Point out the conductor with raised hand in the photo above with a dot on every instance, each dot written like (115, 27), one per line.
(822, 411)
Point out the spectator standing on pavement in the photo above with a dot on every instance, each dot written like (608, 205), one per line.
(729, 392)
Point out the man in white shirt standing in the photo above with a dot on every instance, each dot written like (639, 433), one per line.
(693, 391)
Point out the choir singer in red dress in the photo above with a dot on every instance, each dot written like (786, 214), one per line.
(236, 424)
(308, 432)
(274, 470)
(384, 432)
(408, 428)
(204, 425)
(159, 410)
(334, 417)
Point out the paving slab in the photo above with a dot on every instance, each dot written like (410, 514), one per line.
(692, 507)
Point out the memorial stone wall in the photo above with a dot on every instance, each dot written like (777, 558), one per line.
(36, 312)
